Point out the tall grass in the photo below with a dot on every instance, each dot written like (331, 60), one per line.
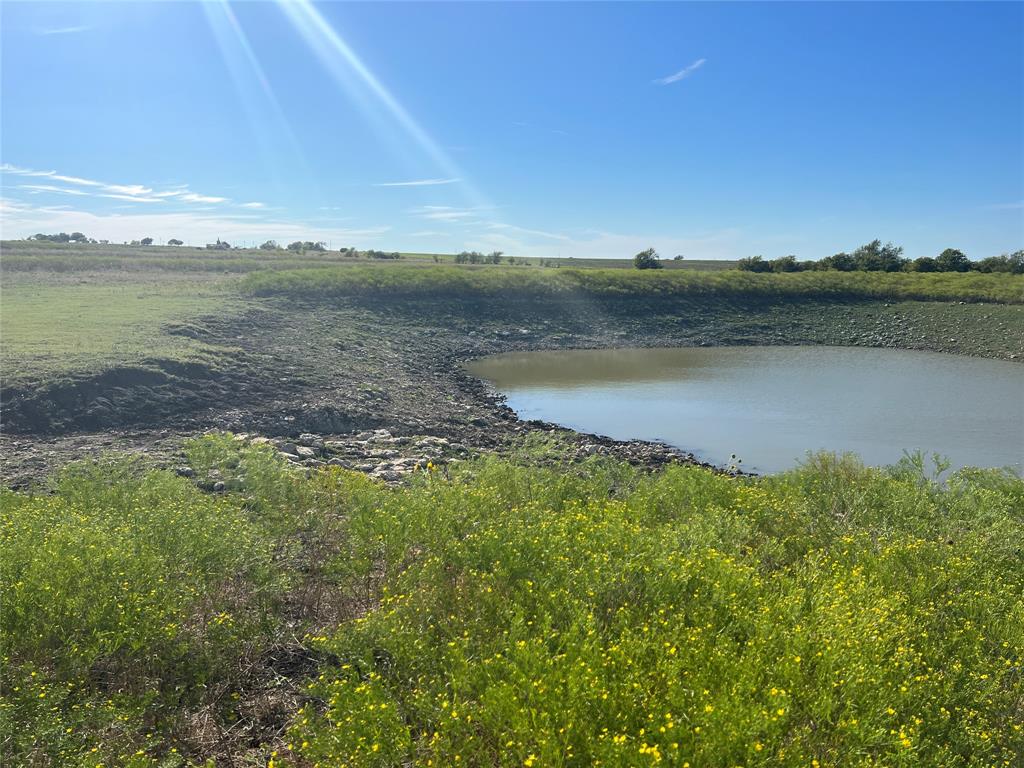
(493, 282)
(507, 615)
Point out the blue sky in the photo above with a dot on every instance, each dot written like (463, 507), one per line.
(715, 130)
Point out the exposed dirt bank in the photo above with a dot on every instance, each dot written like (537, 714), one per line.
(335, 373)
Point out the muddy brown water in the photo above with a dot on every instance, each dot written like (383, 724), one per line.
(770, 406)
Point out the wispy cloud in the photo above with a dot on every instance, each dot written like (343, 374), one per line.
(445, 213)
(138, 193)
(37, 188)
(1014, 206)
(253, 205)
(192, 197)
(417, 183)
(127, 189)
(63, 30)
(130, 198)
(682, 74)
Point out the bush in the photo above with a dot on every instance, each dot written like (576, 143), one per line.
(1012, 263)
(648, 259)
(754, 264)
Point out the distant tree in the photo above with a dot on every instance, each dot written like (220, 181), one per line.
(952, 260)
(220, 245)
(307, 245)
(785, 264)
(270, 245)
(923, 264)
(754, 264)
(1012, 263)
(175, 241)
(78, 237)
(842, 262)
(146, 241)
(875, 257)
(678, 257)
(648, 259)
(60, 237)
(494, 257)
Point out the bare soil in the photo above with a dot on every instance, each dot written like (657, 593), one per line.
(336, 371)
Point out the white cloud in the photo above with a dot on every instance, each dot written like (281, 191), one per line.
(133, 192)
(63, 30)
(36, 188)
(253, 205)
(127, 189)
(681, 74)
(417, 183)
(131, 198)
(445, 213)
(192, 197)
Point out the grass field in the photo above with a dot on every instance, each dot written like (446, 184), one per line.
(39, 256)
(69, 309)
(506, 615)
(52, 329)
(600, 283)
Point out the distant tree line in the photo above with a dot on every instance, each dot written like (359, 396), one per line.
(875, 257)
(63, 237)
(475, 257)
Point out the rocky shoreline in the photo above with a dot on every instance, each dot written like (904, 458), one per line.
(363, 387)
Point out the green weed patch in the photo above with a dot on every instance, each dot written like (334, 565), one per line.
(503, 614)
(512, 283)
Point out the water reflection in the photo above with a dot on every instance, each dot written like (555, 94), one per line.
(770, 405)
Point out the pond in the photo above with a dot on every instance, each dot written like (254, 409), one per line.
(770, 406)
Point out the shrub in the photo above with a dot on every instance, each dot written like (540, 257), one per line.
(754, 264)
(648, 259)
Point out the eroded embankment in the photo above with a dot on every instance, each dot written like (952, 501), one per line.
(344, 366)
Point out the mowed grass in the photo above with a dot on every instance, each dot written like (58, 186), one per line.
(50, 329)
(520, 283)
(501, 614)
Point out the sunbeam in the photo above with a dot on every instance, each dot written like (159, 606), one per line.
(342, 62)
(244, 67)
